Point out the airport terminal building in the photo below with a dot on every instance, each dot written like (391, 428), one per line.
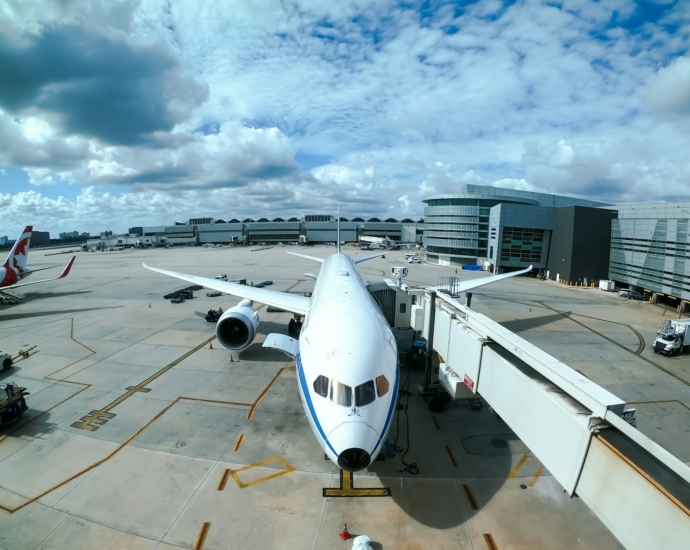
(502, 229)
(309, 229)
(649, 249)
(643, 246)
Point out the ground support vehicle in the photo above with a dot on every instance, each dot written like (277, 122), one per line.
(12, 402)
(5, 361)
(212, 315)
(673, 337)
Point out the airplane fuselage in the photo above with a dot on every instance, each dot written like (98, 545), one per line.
(12, 275)
(347, 358)
(347, 366)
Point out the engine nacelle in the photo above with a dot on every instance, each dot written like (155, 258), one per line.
(237, 327)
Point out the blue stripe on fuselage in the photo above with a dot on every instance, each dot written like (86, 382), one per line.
(312, 412)
(310, 405)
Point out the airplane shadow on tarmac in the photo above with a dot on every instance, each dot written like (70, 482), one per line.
(455, 448)
(521, 325)
(17, 316)
(30, 296)
(33, 423)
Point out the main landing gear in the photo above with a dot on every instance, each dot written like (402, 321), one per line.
(295, 326)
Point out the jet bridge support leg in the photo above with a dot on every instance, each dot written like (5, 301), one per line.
(428, 388)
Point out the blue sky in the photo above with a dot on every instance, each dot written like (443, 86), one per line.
(144, 111)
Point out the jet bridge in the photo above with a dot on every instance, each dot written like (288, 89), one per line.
(581, 432)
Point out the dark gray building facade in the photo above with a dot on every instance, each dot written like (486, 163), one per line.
(580, 244)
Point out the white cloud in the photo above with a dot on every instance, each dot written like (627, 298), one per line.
(668, 91)
(401, 106)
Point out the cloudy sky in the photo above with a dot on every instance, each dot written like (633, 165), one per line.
(131, 112)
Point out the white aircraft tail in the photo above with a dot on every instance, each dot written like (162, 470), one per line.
(17, 257)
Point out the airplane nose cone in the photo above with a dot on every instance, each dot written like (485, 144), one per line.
(354, 459)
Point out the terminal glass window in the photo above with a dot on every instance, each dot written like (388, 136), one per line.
(321, 386)
(522, 245)
(381, 385)
(341, 394)
(365, 394)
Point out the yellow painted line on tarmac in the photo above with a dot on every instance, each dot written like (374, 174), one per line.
(50, 377)
(347, 488)
(452, 458)
(201, 538)
(250, 414)
(540, 470)
(519, 465)
(224, 479)
(240, 440)
(470, 497)
(490, 542)
(242, 485)
(97, 418)
(104, 416)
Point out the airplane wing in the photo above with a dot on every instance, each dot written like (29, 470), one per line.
(283, 300)
(64, 273)
(30, 271)
(312, 258)
(474, 283)
(365, 258)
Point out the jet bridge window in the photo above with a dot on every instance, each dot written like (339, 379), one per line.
(341, 394)
(365, 394)
(321, 386)
(381, 385)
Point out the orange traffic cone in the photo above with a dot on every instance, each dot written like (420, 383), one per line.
(231, 359)
(345, 534)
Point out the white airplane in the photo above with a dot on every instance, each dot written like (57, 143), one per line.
(346, 355)
(15, 269)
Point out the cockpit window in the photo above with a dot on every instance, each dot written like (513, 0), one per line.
(321, 386)
(341, 394)
(365, 394)
(381, 385)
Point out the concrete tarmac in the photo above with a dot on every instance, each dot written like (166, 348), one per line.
(145, 433)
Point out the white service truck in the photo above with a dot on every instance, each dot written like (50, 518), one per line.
(5, 361)
(673, 337)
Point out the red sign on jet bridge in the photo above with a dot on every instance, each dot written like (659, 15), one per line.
(469, 383)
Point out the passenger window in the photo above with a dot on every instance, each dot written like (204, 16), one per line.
(321, 386)
(341, 394)
(381, 385)
(365, 394)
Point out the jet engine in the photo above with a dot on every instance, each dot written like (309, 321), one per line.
(237, 327)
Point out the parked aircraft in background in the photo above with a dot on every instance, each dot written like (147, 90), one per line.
(15, 269)
(347, 357)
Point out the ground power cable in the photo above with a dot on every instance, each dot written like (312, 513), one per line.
(411, 468)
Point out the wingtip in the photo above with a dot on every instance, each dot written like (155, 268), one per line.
(66, 271)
